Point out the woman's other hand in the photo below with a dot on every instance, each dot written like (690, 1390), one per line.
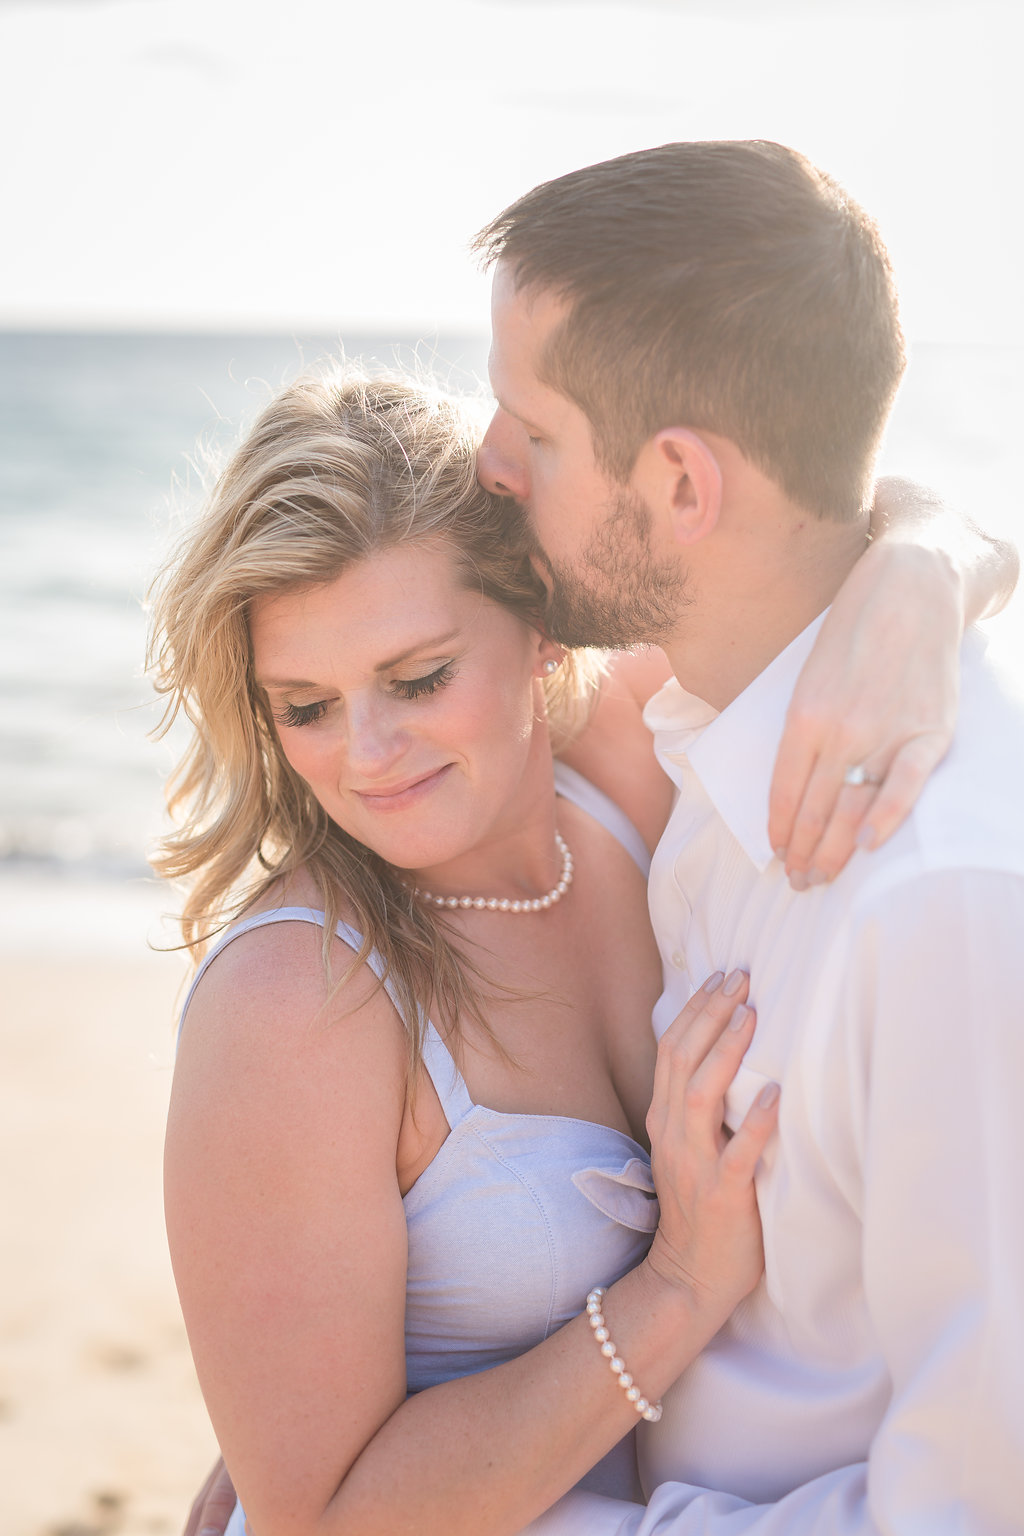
(709, 1237)
(213, 1504)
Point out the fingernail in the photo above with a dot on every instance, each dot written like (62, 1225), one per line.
(734, 982)
(766, 1098)
(713, 982)
(740, 1017)
(817, 877)
(798, 880)
(866, 836)
(780, 854)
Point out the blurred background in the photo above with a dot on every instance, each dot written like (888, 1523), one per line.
(198, 198)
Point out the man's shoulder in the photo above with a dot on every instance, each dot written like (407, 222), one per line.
(971, 813)
(969, 819)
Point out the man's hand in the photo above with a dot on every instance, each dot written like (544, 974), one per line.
(213, 1504)
(879, 690)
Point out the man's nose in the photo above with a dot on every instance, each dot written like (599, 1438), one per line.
(499, 468)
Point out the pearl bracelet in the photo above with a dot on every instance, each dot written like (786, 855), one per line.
(649, 1411)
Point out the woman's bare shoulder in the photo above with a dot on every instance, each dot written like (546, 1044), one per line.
(639, 674)
(614, 750)
(267, 1010)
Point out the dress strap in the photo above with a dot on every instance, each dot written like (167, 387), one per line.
(449, 1084)
(444, 1074)
(571, 785)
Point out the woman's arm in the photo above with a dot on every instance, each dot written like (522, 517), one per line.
(614, 749)
(986, 569)
(881, 685)
(284, 1217)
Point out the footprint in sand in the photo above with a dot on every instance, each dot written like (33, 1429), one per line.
(108, 1506)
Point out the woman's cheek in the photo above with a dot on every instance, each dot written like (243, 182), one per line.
(307, 756)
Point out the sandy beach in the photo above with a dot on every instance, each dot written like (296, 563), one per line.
(102, 1428)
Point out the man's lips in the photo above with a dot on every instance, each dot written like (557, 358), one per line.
(396, 796)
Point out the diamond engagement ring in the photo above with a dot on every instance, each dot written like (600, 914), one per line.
(858, 775)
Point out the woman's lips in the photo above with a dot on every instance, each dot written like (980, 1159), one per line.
(403, 795)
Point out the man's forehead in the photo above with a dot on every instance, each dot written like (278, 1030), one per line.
(527, 306)
(522, 320)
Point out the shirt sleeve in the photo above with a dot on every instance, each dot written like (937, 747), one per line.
(933, 1008)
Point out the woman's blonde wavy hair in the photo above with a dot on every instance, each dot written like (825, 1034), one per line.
(340, 465)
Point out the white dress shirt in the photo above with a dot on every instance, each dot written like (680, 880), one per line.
(874, 1382)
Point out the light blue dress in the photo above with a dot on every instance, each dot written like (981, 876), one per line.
(517, 1216)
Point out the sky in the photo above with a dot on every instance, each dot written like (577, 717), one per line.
(236, 164)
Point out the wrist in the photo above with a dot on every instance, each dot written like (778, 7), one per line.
(910, 566)
(671, 1288)
(982, 569)
(688, 1309)
(657, 1327)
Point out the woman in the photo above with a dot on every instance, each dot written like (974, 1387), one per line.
(383, 1280)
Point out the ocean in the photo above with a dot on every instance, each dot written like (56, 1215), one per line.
(100, 438)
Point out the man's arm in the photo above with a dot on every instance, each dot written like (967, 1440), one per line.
(880, 687)
(934, 999)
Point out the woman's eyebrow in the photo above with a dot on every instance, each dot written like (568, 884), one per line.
(296, 684)
(414, 650)
(283, 683)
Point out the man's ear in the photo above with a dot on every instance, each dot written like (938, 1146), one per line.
(680, 479)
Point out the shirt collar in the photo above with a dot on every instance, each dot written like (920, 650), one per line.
(733, 752)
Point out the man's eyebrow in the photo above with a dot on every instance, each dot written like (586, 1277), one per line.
(499, 399)
(296, 684)
(524, 421)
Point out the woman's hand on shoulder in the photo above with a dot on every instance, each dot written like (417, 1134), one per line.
(708, 1240)
(878, 694)
(284, 1215)
(879, 691)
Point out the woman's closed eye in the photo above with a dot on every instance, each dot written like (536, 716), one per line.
(407, 688)
(301, 714)
(417, 687)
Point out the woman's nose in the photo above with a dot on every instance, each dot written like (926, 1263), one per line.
(500, 467)
(376, 739)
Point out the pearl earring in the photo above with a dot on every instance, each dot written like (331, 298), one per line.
(550, 668)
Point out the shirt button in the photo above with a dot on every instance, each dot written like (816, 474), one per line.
(679, 961)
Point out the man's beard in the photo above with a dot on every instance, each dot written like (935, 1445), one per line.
(619, 596)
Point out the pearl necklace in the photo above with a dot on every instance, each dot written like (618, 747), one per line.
(503, 904)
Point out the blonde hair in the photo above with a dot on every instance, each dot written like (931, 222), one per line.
(337, 467)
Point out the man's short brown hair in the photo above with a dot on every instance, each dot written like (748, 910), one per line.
(723, 286)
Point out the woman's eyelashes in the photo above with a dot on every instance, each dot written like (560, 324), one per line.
(416, 687)
(301, 714)
(408, 688)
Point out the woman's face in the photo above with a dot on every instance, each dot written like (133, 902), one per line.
(407, 702)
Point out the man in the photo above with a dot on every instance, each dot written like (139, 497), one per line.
(713, 506)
